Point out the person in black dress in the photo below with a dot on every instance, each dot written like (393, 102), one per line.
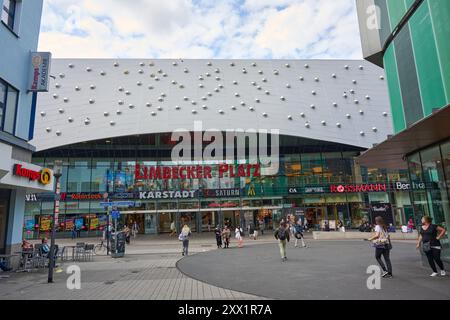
(430, 235)
(218, 234)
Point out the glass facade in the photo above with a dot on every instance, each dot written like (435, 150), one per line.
(417, 61)
(432, 166)
(308, 172)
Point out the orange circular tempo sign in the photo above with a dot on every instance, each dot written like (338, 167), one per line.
(46, 176)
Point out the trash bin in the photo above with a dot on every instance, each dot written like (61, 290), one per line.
(118, 245)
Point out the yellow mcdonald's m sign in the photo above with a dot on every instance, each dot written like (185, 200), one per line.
(251, 191)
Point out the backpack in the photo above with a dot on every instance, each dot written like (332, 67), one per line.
(282, 234)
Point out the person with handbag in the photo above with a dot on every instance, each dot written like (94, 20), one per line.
(429, 236)
(184, 238)
(382, 243)
(298, 234)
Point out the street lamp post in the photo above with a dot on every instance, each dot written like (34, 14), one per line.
(57, 173)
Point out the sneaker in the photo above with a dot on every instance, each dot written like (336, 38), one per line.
(388, 275)
(385, 273)
(443, 273)
(434, 274)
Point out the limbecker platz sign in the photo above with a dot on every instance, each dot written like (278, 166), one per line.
(195, 172)
(43, 177)
(354, 188)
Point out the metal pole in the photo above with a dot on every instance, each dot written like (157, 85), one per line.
(107, 230)
(53, 234)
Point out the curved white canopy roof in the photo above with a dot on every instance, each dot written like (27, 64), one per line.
(332, 100)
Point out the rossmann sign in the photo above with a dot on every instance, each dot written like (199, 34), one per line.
(43, 177)
(355, 188)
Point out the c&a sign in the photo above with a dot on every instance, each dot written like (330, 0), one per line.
(43, 177)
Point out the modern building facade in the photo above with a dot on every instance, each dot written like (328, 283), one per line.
(19, 31)
(111, 122)
(412, 45)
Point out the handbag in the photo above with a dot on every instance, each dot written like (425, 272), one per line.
(426, 247)
(383, 243)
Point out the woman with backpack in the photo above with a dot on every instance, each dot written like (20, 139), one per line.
(282, 235)
(429, 236)
(184, 237)
(382, 243)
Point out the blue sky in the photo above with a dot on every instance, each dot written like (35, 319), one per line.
(239, 29)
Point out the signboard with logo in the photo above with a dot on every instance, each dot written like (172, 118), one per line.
(39, 71)
(43, 177)
(168, 194)
(384, 210)
(221, 193)
(196, 172)
(355, 188)
(307, 190)
(404, 186)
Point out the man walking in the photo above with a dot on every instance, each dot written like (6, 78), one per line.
(282, 235)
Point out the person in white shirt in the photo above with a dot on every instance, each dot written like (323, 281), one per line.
(238, 236)
(382, 244)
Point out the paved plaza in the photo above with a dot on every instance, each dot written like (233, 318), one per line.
(153, 268)
(325, 270)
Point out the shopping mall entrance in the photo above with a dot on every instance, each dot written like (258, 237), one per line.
(316, 217)
(152, 222)
(130, 219)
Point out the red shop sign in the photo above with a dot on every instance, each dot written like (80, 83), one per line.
(354, 188)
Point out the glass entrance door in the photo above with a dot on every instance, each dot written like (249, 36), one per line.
(150, 223)
(165, 220)
(189, 218)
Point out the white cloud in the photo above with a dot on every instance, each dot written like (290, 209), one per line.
(200, 29)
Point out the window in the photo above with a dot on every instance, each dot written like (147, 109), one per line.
(8, 107)
(9, 12)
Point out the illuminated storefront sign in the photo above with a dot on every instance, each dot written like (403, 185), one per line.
(167, 194)
(43, 177)
(195, 172)
(407, 186)
(84, 196)
(221, 193)
(352, 188)
(307, 190)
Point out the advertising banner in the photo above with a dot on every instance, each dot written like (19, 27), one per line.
(79, 223)
(45, 223)
(39, 71)
(94, 224)
(384, 210)
(29, 225)
(69, 224)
